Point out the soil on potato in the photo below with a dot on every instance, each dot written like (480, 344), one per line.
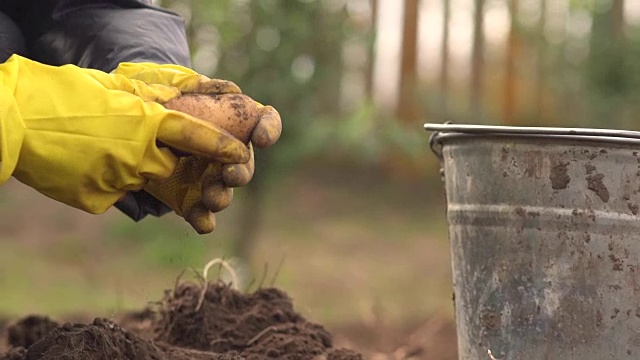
(192, 322)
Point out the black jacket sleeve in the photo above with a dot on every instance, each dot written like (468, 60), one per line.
(100, 34)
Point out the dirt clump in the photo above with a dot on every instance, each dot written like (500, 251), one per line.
(559, 177)
(14, 354)
(100, 340)
(29, 330)
(104, 339)
(194, 321)
(261, 325)
(140, 322)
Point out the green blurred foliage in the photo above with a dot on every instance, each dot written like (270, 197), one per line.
(290, 54)
(608, 70)
(282, 53)
(294, 55)
(365, 135)
(594, 69)
(164, 244)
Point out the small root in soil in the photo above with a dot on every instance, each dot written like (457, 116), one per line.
(205, 272)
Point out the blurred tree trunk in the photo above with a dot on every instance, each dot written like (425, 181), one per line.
(608, 66)
(327, 49)
(317, 33)
(542, 64)
(407, 109)
(371, 50)
(444, 61)
(617, 12)
(477, 61)
(510, 85)
(251, 211)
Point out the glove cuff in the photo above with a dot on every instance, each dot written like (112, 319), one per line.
(11, 125)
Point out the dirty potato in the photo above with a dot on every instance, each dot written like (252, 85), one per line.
(236, 113)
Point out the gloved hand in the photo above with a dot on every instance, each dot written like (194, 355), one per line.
(198, 188)
(196, 179)
(85, 137)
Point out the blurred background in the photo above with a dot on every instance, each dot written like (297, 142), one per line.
(346, 213)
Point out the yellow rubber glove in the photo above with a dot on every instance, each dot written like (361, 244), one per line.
(85, 137)
(185, 79)
(194, 176)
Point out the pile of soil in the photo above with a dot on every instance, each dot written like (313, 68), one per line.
(194, 321)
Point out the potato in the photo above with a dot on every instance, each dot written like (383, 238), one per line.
(236, 113)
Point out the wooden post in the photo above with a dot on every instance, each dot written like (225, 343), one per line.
(541, 60)
(444, 61)
(407, 109)
(371, 50)
(477, 62)
(510, 88)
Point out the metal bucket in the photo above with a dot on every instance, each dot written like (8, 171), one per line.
(545, 240)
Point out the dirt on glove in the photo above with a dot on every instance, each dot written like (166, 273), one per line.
(194, 321)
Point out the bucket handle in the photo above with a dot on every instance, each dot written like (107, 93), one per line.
(435, 144)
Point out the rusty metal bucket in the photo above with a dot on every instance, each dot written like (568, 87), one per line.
(544, 226)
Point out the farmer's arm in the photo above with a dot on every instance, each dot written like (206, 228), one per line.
(96, 34)
(101, 35)
(85, 137)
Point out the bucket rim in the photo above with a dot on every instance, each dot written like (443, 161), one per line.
(447, 131)
(529, 130)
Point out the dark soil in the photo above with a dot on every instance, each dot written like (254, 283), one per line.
(227, 325)
(27, 331)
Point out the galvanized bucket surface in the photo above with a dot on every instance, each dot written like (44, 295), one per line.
(545, 240)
